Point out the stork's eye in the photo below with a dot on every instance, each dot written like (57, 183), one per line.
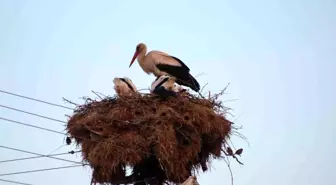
(138, 48)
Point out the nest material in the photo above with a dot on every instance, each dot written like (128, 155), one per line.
(160, 139)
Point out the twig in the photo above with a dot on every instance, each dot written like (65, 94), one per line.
(56, 150)
(228, 164)
(227, 86)
(231, 100)
(204, 86)
(221, 93)
(228, 112)
(200, 75)
(232, 156)
(232, 143)
(201, 95)
(100, 94)
(237, 160)
(225, 152)
(143, 89)
(241, 136)
(68, 101)
(96, 94)
(238, 117)
(87, 99)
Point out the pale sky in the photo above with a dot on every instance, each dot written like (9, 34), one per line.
(278, 55)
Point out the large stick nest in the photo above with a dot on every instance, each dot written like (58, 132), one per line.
(160, 139)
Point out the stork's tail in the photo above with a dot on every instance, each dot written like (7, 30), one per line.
(194, 85)
(189, 81)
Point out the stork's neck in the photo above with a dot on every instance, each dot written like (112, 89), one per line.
(141, 57)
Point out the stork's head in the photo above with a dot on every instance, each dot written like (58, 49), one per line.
(139, 48)
(124, 86)
(129, 82)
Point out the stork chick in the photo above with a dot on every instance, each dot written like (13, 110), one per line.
(124, 86)
(164, 86)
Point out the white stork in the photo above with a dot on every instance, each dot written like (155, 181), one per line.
(160, 63)
(124, 86)
(164, 86)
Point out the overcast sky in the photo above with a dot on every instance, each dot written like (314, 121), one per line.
(279, 56)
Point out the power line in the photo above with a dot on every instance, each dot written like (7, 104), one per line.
(33, 126)
(35, 157)
(14, 149)
(37, 100)
(38, 115)
(57, 168)
(14, 182)
(39, 170)
(48, 169)
(29, 125)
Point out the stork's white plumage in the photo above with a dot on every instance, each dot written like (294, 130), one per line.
(178, 88)
(124, 86)
(164, 86)
(163, 81)
(160, 63)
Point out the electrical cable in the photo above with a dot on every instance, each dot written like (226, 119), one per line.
(33, 126)
(41, 128)
(39, 170)
(38, 115)
(14, 182)
(14, 149)
(35, 157)
(37, 100)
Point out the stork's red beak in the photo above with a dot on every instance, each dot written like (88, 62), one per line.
(134, 57)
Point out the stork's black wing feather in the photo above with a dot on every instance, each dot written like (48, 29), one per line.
(182, 63)
(176, 71)
(181, 74)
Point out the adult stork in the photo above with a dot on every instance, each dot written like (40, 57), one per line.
(124, 86)
(160, 63)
